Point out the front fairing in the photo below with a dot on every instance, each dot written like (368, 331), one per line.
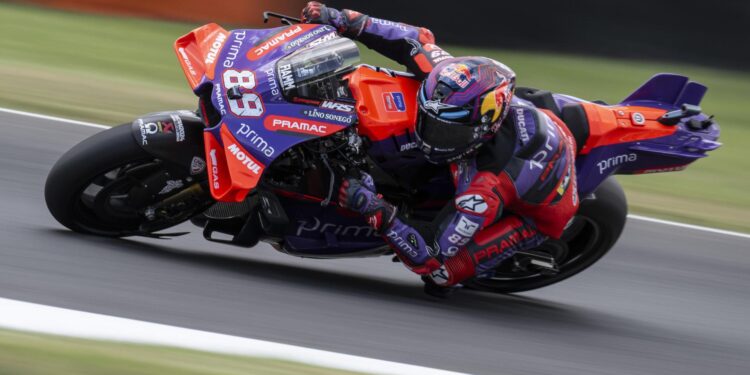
(257, 123)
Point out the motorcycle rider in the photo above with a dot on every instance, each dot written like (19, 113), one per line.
(514, 175)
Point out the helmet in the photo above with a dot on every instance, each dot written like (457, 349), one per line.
(462, 103)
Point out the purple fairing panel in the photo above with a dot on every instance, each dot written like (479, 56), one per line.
(667, 91)
(665, 154)
(327, 231)
(664, 90)
(262, 120)
(675, 152)
(562, 100)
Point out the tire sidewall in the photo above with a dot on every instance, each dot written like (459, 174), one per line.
(93, 156)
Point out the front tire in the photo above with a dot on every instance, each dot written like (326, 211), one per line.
(594, 231)
(105, 186)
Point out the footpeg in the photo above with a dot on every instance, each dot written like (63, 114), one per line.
(540, 260)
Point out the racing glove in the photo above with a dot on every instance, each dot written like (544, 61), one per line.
(315, 12)
(358, 195)
(348, 23)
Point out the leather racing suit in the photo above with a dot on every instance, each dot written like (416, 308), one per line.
(517, 191)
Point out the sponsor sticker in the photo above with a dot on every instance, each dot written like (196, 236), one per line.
(309, 36)
(244, 158)
(615, 161)
(154, 127)
(466, 227)
(214, 169)
(379, 21)
(408, 146)
(179, 128)
(144, 136)
(412, 240)
(437, 54)
(326, 116)
(197, 165)
(394, 101)
(255, 140)
(299, 126)
(460, 74)
(286, 77)
(440, 276)
(415, 46)
(472, 203)
(187, 62)
(238, 38)
(220, 100)
(405, 247)
(215, 48)
(274, 42)
(521, 122)
(342, 107)
(272, 84)
(315, 226)
(435, 106)
(638, 118)
(323, 39)
(170, 186)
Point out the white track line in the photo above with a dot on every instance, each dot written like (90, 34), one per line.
(53, 118)
(636, 217)
(689, 226)
(33, 317)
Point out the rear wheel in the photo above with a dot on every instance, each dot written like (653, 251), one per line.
(108, 185)
(593, 232)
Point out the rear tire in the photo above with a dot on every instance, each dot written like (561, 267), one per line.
(594, 231)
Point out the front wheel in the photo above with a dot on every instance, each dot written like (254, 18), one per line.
(108, 185)
(593, 232)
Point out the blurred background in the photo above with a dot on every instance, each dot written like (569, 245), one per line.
(688, 31)
(107, 61)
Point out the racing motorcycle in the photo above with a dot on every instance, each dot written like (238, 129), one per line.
(286, 112)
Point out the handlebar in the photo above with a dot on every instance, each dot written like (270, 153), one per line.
(287, 20)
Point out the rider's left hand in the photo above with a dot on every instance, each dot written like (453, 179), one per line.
(359, 195)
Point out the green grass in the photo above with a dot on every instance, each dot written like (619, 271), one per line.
(109, 69)
(30, 354)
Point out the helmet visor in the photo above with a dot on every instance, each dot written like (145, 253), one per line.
(443, 135)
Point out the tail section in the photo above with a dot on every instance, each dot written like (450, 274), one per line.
(667, 91)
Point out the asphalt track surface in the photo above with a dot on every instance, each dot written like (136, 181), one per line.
(666, 300)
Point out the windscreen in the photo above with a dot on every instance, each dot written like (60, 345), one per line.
(307, 73)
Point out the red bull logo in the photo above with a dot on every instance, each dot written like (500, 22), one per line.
(460, 74)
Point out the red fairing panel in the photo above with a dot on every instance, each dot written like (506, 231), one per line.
(198, 52)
